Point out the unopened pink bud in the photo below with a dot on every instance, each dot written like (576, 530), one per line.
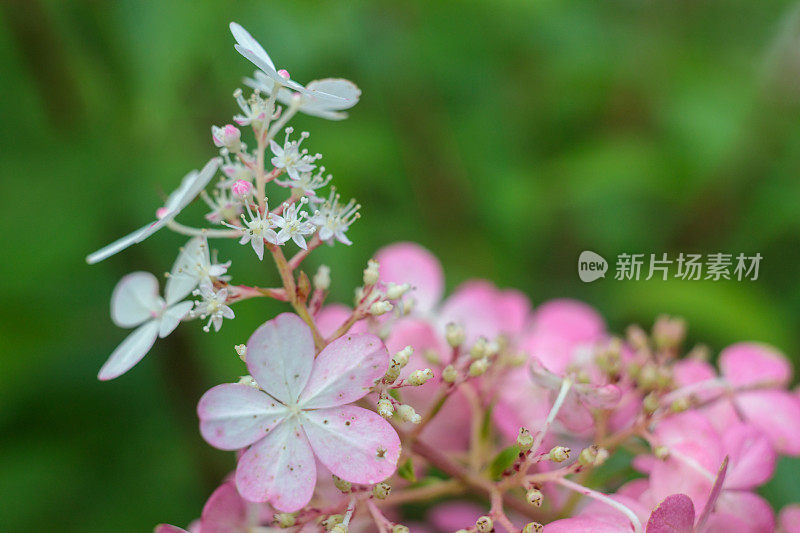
(161, 212)
(284, 73)
(242, 187)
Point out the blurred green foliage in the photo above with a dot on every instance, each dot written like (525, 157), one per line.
(505, 135)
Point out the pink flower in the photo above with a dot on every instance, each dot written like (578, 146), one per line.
(789, 519)
(760, 373)
(224, 512)
(301, 412)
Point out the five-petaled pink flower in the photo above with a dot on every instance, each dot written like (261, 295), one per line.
(301, 412)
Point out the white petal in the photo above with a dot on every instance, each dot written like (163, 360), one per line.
(135, 299)
(130, 351)
(120, 244)
(172, 317)
(185, 275)
(246, 40)
(333, 93)
(190, 187)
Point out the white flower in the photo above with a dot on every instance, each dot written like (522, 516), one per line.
(192, 267)
(254, 109)
(314, 101)
(190, 187)
(228, 137)
(136, 302)
(294, 224)
(212, 306)
(324, 98)
(258, 228)
(334, 219)
(291, 158)
(224, 205)
(308, 183)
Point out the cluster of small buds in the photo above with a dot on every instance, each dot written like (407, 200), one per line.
(380, 308)
(395, 291)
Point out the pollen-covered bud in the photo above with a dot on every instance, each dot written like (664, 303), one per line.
(341, 484)
(661, 453)
(371, 273)
(478, 349)
(680, 405)
(484, 524)
(559, 454)
(380, 308)
(332, 521)
(479, 367)
(407, 413)
(449, 374)
(454, 334)
(592, 456)
(534, 497)
(395, 292)
(285, 519)
(393, 372)
(419, 377)
(403, 356)
(648, 377)
(228, 137)
(524, 440)
(533, 527)
(241, 351)
(385, 408)
(242, 188)
(249, 381)
(492, 348)
(322, 279)
(381, 490)
(651, 403)
(399, 528)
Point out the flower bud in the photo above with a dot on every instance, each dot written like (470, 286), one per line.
(419, 377)
(341, 484)
(492, 348)
(534, 497)
(228, 137)
(285, 519)
(332, 521)
(381, 490)
(661, 452)
(395, 292)
(249, 381)
(385, 408)
(403, 356)
(559, 454)
(651, 403)
(406, 413)
(242, 188)
(484, 524)
(592, 456)
(669, 332)
(393, 372)
(431, 356)
(449, 374)
(241, 350)
(524, 440)
(400, 528)
(380, 308)
(322, 279)
(371, 273)
(478, 349)
(339, 528)
(478, 367)
(533, 527)
(636, 337)
(454, 334)
(680, 405)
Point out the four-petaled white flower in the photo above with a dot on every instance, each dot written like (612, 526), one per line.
(136, 302)
(258, 227)
(291, 158)
(190, 187)
(334, 219)
(194, 266)
(308, 183)
(294, 224)
(303, 412)
(324, 98)
(212, 306)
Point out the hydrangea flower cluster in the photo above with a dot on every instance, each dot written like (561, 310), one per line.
(489, 414)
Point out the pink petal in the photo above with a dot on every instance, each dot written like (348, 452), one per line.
(353, 443)
(344, 371)
(166, 528)
(569, 319)
(476, 306)
(777, 414)
(752, 457)
(750, 508)
(233, 416)
(451, 431)
(135, 299)
(789, 518)
(420, 335)
(674, 515)
(408, 262)
(330, 317)
(279, 469)
(452, 516)
(584, 525)
(280, 355)
(748, 363)
(689, 371)
(130, 351)
(598, 396)
(225, 511)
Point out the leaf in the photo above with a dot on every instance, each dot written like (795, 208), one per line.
(503, 461)
(406, 471)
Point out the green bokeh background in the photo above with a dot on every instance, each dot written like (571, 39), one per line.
(506, 136)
